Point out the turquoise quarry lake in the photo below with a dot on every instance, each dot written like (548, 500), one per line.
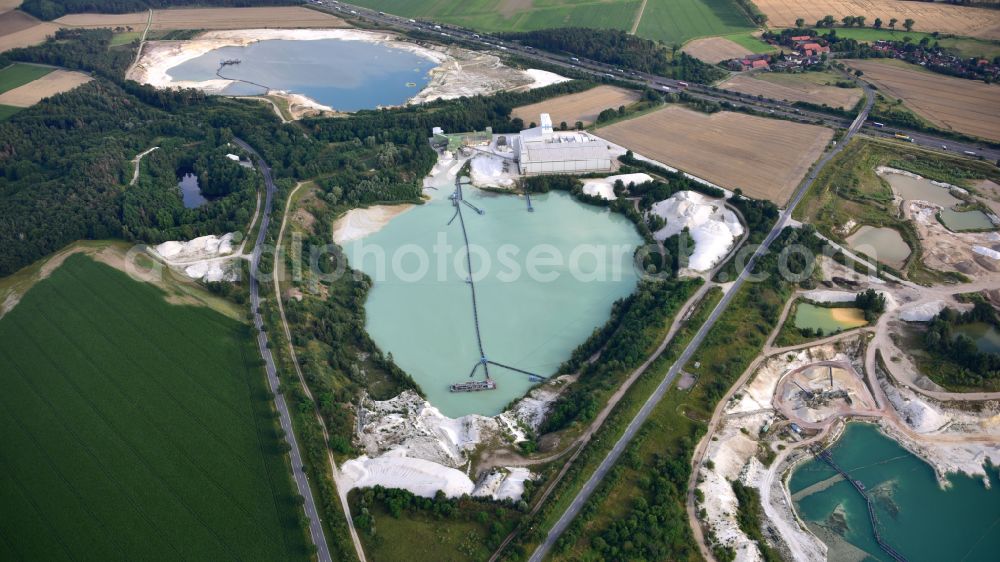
(916, 516)
(344, 75)
(526, 321)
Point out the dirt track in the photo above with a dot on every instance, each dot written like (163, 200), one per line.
(794, 91)
(715, 49)
(766, 158)
(582, 106)
(967, 106)
(928, 16)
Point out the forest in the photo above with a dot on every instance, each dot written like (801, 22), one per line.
(52, 9)
(616, 47)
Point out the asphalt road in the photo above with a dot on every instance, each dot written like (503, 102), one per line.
(601, 71)
(301, 480)
(633, 427)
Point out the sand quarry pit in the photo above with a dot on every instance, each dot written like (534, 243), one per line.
(581, 106)
(817, 393)
(766, 158)
(968, 106)
(928, 16)
(53, 83)
(715, 49)
(210, 18)
(779, 88)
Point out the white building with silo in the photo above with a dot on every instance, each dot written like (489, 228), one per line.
(541, 150)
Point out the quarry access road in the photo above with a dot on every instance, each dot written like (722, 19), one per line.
(602, 72)
(316, 533)
(633, 428)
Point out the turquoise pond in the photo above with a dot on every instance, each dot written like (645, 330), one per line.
(344, 75)
(916, 516)
(527, 321)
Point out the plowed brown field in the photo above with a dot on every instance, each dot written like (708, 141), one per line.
(929, 16)
(582, 106)
(766, 158)
(967, 106)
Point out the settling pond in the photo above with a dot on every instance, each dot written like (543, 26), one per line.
(916, 516)
(344, 75)
(528, 322)
(883, 244)
(959, 221)
(986, 336)
(922, 189)
(830, 320)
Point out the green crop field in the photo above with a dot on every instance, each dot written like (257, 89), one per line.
(671, 21)
(19, 74)
(133, 429)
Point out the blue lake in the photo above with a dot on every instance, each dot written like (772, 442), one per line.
(344, 75)
(191, 192)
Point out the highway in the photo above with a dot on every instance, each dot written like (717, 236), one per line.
(601, 71)
(301, 480)
(633, 427)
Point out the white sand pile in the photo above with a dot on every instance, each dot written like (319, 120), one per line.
(713, 227)
(504, 484)
(213, 270)
(199, 248)
(988, 252)
(917, 413)
(395, 470)
(922, 312)
(358, 223)
(605, 187)
(488, 171)
(543, 78)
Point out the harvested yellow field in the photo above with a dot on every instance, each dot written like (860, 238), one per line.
(788, 88)
(967, 106)
(582, 106)
(766, 158)
(53, 83)
(210, 18)
(715, 49)
(928, 16)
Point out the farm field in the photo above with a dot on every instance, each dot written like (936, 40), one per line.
(967, 106)
(808, 87)
(15, 20)
(7, 111)
(928, 16)
(961, 46)
(582, 106)
(209, 18)
(52, 83)
(766, 158)
(166, 450)
(715, 49)
(19, 74)
(673, 22)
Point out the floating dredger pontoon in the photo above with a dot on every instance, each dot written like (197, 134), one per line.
(473, 386)
(229, 62)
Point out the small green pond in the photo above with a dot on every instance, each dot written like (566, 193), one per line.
(830, 320)
(986, 336)
(966, 220)
(883, 244)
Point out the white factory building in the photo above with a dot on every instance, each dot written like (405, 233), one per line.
(544, 151)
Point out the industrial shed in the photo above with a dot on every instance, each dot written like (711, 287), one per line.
(544, 151)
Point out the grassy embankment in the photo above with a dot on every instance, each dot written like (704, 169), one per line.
(848, 189)
(167, 449)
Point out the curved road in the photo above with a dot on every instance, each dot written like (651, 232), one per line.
(301, 481)
(633, 427)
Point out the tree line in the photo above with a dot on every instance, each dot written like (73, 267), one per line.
(52, 9)
(621, 49)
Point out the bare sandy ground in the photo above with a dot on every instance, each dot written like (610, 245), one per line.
(929, 16)
(715, 49)
(766, 158)
(358, 223)
(210, 18)
(53, 83)
(794, 91)
(968, 106)
(582, 106)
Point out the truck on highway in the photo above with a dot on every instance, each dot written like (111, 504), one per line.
(682, 84)
(969, 152)
(877, 124)
(903, 137)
